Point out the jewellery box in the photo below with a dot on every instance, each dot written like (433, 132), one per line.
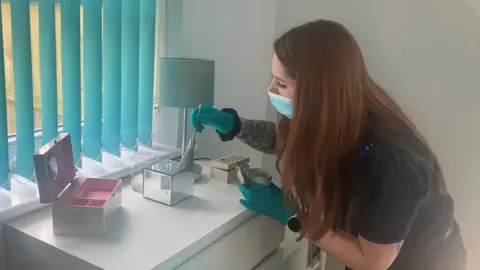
(81, 206)
(226, 168)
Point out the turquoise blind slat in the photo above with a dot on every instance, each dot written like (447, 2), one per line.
(70, 18)
(22, 70)
(48, 69)
(92, 70)
(146, 70)
(111, 75)
(130, 46)
(4, 182)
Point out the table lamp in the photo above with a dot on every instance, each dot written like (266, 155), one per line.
(186, 83)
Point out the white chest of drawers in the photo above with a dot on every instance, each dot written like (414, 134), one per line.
(210, 231)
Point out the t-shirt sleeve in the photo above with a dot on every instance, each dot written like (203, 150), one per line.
(391, 202)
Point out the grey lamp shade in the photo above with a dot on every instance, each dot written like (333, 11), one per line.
(186, 83)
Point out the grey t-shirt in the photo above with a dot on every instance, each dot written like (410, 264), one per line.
(401, 199)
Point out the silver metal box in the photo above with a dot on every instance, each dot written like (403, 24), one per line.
(162, 182)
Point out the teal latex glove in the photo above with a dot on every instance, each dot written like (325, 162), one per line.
(268, 200)
(211, 117)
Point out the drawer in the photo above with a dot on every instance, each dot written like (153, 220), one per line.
(273, 262)
(244, 248)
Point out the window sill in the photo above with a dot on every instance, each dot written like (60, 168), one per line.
(23, 198)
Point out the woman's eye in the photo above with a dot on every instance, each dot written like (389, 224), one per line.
(283, 86)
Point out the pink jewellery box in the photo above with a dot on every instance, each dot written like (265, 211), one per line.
(81, 206)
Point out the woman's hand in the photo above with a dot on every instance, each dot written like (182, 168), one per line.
(268, 200)
(211, 117)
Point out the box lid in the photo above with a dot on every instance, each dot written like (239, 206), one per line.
(54, 167)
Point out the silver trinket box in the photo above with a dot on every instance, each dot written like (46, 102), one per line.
(164, 183)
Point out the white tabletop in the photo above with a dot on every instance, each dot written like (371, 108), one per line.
(149, 234)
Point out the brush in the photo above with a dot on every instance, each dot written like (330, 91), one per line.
(187, 161)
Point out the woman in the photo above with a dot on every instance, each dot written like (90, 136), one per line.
(358, 178)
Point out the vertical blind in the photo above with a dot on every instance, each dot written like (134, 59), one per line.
(114, 42)
(3, 119)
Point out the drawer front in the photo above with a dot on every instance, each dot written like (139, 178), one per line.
(242, 249)
(27, 253)
(273, 262)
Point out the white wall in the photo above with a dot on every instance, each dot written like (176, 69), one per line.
(238, 36)
(426, 54)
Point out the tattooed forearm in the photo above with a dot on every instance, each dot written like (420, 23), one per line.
(258, 134)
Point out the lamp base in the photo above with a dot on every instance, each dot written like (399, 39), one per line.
(197, 169)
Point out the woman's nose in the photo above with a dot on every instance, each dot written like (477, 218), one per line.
(271, 87)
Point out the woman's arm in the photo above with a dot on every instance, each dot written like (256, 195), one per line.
(258, 134)
(357, 252)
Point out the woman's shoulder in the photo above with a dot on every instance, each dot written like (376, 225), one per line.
(405, 158)
(403, 149)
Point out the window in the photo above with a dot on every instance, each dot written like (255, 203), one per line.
(95, 53)
(34, 28)
(8, 59)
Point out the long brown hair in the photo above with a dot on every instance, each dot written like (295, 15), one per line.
(335, 105)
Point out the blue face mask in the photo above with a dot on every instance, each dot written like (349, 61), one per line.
(283, 105)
